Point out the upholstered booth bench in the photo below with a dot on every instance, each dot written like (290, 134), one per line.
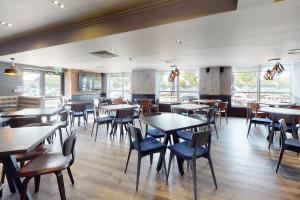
(10, 103)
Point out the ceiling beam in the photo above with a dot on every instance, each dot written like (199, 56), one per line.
(164, 13)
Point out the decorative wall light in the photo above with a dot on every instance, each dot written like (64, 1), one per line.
(174, 73)
(277, 69)
(12, 70)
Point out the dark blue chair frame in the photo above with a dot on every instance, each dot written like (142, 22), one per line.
(144, 147)
(197, 147)
(123, 118)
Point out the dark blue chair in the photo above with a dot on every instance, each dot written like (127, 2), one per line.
(100, 119)
(197, 147)
(78, 111)
(144, 147)
(258, 120)
(187, 134)
(286, 144)
(89, 110)
(123, 118)
(210, 118)
(153, 132)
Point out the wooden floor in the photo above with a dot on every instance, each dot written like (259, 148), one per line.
(245, 169)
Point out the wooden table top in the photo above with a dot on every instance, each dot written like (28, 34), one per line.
(119, 107)
(33, 112)
(70, 103)
(21, 140)
(172, 122)
(283, 111)
(276, 104)
(190, 106)
(206, 101)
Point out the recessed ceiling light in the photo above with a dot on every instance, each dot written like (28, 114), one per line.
(57, 3)
(178, 42)
(112, 50)
(6, 24)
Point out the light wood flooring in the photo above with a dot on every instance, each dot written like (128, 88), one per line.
(245, 169)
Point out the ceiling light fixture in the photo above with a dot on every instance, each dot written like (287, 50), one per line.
(6, 24)
(58, 4)
(174, 73)
(277, 69)
(12, 70)
(293, 51)
(179, 42)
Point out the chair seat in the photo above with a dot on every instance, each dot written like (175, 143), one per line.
(89, 110)
(185, 134)
(258, 120)
(137, 116)
(45, 164)
(293, 143)
(184, 151)
(39, 150)
(155, 133)
(104, 119)
(149, 146)
(123, 120)
(77, 114)
(289, 127)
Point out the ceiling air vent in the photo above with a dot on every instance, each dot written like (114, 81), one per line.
(103, 54)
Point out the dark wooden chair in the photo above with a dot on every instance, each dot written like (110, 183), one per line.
(144, 147)
(145, 105)
(222, 110)
(100, 119)
(197, 147)
(123, 118)
(155, 106)
(252, 111)
(286, 144)
(50, 163)
(63, 122)
(117, 101)
(78, 111)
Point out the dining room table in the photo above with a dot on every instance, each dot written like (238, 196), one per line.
(206, 101)
(20, 141)
(33, 112)
(170, 123)
(189, 107)
(275, 111)
(111, 108)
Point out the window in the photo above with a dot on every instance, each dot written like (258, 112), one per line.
(244, 88)
(120, 85)
(189, 85)
(167, 90)
(31, 83)
(52, 85)
(250, 85)
(184, 87)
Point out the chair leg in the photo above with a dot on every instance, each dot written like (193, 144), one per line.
(169, 165)
(93, 129)
(164, 162)
(226, 116)
(2, 175)
(151, 159)
(216, 130)
(107, 127)
(24, 188)
(61, 186)
(127, 161)
(280, 157)
(212, 171)
(194, 178)
(96, 132)
(67, 131)
(138, 173)
(220, 118)
(60, 136)
(249, 128)
(70, 175)
(140, 124)
(37, 180)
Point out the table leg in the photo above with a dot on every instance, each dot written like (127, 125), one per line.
(294, 130)
(273, 131)
(11, 169)
(159, 164)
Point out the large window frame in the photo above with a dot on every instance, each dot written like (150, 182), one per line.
(260, 92)
(124, 89)
(179, 87)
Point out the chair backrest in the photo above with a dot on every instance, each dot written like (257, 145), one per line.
(23, 121)
(145, 103)
(124, 113)
(78, 107)
(30, 102)
(253, 107)
(135, 136)
(200, 139)
(63, 116)
(223, 106)
(211, 115)
(69, 144)
(283, 130)
(96, 108)
(118, 101)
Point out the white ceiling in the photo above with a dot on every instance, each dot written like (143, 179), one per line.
(257, 31)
